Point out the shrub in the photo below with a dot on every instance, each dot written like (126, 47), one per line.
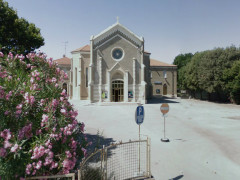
(39, 133)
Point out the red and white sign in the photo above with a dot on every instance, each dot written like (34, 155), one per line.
(164, 108)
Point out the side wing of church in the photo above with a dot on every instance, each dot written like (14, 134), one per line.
(115, 68)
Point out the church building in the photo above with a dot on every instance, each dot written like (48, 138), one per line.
(116, 68)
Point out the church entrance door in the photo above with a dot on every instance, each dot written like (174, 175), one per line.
(117, 91)
(164, 89)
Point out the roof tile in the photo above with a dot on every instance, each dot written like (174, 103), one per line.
(154, 62)
(63, 61)
(85, 48)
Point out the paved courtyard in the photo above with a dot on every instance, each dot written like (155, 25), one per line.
(204, 136)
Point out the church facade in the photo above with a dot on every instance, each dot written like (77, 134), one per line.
(116, 68)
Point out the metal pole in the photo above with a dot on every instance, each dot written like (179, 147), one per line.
(164, 139)
(139, 151)
(147, 157)
(103, 162)
(106, 163)
(164, 127)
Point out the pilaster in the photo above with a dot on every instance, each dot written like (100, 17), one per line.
(80, 77)
(143, 83)
(126, 86)
(109, 85)
(100, 78)
(90, 83)
(134, 79)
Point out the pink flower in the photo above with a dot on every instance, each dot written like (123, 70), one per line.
(19, 106)
(14, 148)
(9, 77)
(58, 70)
(68, 164)
(82, 127)
(54, 165)
(44, 118)
(84, 151)
(50, 154)
(3, 152)
(65, 75)
(63, 92)
(29, 99)
(18, 112)
(1, 54)
(28, 169)
(42, 102)
(6, 112)
(7, 144)
(68, 154)
(73, 144)
(48, 161)
(8, 95)
(55, 102)
(54, 80)
(32, 80)
(32, 100)
(38, 152)
(39, 165)
(47, 143)
(63, 111)
(25, 131)
(38, 132)
(6, 134)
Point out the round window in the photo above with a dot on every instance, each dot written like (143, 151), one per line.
(117, 54)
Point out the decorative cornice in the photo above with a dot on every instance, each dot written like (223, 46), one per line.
(117, 28)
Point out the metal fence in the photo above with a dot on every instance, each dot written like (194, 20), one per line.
(119, 161)
(70, 176)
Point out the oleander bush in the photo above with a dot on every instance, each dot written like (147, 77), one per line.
(39, 133)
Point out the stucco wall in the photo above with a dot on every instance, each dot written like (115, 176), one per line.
(170, 81)
(75, 73)
(147, 75)
(84, 65)
(105, 51)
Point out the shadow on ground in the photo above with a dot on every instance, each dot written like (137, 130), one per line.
(177, 178)
(162, 99)
(98, 141)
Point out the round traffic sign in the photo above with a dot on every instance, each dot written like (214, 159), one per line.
(164, 108)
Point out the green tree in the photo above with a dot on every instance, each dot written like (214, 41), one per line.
(232, 77)
(204, 73)
(181, 61)
(17, 34)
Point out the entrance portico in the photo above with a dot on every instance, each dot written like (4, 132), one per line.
(117, 90)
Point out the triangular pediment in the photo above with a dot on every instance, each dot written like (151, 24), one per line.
(116, 67)
(117, 29)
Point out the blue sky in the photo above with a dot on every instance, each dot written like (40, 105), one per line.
(169, 27)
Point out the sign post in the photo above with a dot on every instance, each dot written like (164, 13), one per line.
(139, 117)
(164, 109)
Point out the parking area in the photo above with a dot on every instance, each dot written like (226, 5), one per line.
(204, 136)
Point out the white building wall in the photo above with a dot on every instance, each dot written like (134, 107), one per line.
(76, 73)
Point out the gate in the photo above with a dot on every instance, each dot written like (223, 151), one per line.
(121, 161)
